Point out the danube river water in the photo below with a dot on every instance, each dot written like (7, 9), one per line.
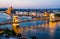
(41, 29)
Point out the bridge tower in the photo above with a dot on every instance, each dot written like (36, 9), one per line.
(15, 24)
(52, 17)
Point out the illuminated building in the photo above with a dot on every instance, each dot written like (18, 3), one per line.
(46, 14)
(8, 11)
(33, 13)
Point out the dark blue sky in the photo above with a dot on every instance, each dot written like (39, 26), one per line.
(30, 3)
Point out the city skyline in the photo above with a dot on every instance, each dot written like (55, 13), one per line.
(30, 4)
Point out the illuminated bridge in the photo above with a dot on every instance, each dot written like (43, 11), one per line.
(10, 21)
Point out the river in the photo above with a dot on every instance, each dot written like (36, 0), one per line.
(42, 29)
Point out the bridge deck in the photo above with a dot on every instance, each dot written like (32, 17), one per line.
(10, 21)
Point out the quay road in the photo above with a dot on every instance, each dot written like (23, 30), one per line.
(32, 15)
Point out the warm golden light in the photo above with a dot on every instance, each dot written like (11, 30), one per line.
(52, 17)
(45, 14)
(15, 24)
(1, 31)
(8, 11)
(52, 27)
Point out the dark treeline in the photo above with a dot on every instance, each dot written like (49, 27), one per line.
(57, 15)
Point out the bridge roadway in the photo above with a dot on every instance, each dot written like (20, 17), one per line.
(10, 21)
(42, 18)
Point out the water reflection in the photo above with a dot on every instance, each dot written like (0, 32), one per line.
(42, 29)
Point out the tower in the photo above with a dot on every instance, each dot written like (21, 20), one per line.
(15, 24)
(52, 17)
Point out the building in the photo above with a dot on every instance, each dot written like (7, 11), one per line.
(45, 14)
(34, 14)
(19, 13)
(9, 10)
(26, 13)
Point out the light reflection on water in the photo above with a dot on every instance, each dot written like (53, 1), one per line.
(42, 29)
